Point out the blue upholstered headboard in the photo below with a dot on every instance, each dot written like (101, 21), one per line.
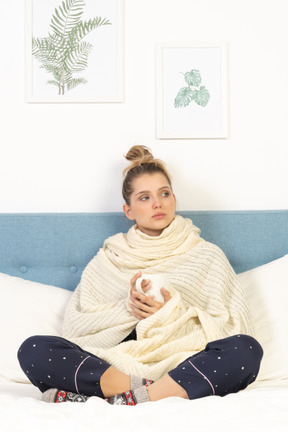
(54, 248)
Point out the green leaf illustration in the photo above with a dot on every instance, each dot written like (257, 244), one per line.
(64, 52)
(200, 95)
(184, 97)
(75, 82)
(67, 17)
(77, 60)
(193, 78)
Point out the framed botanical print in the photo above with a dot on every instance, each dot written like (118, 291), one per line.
(75, 51)
(191, 90)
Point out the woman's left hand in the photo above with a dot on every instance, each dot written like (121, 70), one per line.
(143, 306)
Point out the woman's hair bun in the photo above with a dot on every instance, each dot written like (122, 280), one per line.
(139, 154)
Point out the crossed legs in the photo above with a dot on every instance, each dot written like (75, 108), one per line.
(224, 366)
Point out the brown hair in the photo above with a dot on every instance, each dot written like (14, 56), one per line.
(142, 162)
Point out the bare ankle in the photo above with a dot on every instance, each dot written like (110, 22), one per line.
(113, 382)
(165, 387)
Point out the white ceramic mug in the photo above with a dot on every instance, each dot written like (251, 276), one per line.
(158, 281)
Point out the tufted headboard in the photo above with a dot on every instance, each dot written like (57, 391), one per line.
(54, 248)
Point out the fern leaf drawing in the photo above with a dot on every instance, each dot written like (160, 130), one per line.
(193, 92)
(64, 52)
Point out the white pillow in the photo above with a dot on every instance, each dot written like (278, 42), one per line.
(267, 291)
(27, 308)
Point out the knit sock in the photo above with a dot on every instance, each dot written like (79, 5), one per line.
(136, 382)
(57, 396)
(130, 397)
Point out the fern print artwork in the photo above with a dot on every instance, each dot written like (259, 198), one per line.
(192, 92)
(64, 53)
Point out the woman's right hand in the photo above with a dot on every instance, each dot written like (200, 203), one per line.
(143, 306)
(145, 284)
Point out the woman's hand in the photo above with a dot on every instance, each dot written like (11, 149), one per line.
(143, 306)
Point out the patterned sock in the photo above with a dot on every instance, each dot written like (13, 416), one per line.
(136, 382)
(130, 397)
(58, 396)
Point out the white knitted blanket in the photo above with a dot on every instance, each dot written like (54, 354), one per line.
(207, 301)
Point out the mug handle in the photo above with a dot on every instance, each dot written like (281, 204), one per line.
(138, 285)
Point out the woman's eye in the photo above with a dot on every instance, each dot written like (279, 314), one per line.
(144, 198)
(165, 194)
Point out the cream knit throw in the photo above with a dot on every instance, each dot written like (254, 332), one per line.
(207, 301)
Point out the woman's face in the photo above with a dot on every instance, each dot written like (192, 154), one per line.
(152, 203)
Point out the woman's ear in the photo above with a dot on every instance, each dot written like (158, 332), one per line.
(127, 211)
(175, 201)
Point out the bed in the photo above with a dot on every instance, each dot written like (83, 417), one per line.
(42, 257)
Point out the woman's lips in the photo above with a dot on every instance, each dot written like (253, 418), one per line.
(158, 216)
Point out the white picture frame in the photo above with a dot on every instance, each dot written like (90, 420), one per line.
(102, 79)
(200, 69)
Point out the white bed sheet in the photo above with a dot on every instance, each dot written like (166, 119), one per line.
(261, 407)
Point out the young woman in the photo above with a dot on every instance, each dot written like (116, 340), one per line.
(129, 348)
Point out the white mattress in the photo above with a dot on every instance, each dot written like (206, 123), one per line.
(261, 407)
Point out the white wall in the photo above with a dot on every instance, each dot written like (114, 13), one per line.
(69, 157)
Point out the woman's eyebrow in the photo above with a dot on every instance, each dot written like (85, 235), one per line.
(147, 191)
(142, 192)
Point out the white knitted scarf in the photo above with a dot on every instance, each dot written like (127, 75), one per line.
(207, 301)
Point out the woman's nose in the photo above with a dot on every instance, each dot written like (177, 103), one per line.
(156, 203)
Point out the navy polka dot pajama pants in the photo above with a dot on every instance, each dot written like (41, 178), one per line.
(224, 366)
(54, 362)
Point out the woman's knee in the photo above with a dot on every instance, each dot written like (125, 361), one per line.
(240, 351)
(33, 348)
(250, 348)
(26, 350)
(248, 357)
